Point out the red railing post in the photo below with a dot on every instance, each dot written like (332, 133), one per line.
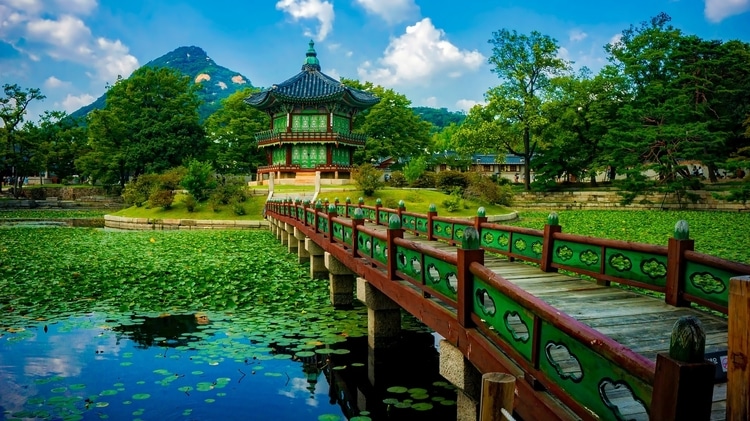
(676, 263)
(318, 208)
(394, 231)
(331, 214)
(346, 207)
(550, 228)
(430, 215)
(738, 370)
(468, 253)
(305, 204)
(480, 219)
(378, 205)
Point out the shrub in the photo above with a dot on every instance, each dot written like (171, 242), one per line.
(455, 202)
(138, 191)
(397, 179)
(425, 181)
(238, 207)
(391, 203)
(190, 202)
(368, 179)
(447, 181)
(171, 179)
(199, 179)
(214, 201)
(161, 198)
(485, 191)
(415, 168)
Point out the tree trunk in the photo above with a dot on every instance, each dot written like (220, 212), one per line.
(712, 173)
(593, 180)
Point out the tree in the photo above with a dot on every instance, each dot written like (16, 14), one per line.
(393, 129)
(512, 117)
(62, 139)
(231, 132)
(14, 151)
(150, 124)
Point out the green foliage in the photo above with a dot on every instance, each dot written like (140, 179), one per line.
(368, 179)
(161, 198)
(397, 179)
(439, 117)
(238, 207)
(425, 181)
(190, 202)
(415, 168)
(740, 194)
(137, 192)
(454, 202)
(635, 184)
(485, 191)
(231, 188)
(448, 181)
(18, 143)
(199, 179)
(215, 201)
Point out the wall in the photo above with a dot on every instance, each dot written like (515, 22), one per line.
(611, 200)
(121, 222)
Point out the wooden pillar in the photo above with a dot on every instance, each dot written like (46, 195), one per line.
(738, 370)
(684, 380)
(468, 253)
(394, 231)
(551, 228)
(430, 215)
(676, 263)
(498, 393)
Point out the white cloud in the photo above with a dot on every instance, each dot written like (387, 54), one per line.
(392, 11)
(68, 32)
(418, 55)
(334, 74)
(114, 60)
(83, 7)
(53, 82)
(577, 35)
(430, 102)
(616, 39)
(466, 104)
(320, 10)
(72, 103)
(718, 10)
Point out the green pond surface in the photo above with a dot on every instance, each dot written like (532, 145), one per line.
(193, 326)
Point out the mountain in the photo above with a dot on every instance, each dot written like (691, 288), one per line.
(439, 117)
(217, 82)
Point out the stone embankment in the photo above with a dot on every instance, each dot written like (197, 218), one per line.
(611, 200)
(121, 222)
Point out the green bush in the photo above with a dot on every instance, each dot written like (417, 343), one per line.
(171, 179)
(448, 181)
(199, 179)
(238, 207)
(397, 179)
(368, 179)
(161, 198)
(415, 168)
(455, 202)
(425, 181)
(391, 203)
(190, 202)
(138, 191)
(484, 190)
(215, 201)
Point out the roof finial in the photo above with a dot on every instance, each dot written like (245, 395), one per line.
(311, 58)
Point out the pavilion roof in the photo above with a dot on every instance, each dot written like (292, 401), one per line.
(311, 86)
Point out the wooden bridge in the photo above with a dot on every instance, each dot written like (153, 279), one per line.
(514, 300)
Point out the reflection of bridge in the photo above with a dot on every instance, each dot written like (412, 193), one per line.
(584, 349)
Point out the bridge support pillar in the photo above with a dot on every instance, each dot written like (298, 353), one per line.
(303, 256)
(341, 282)
(291, 240)
(383, 316)
(467, 379)
(317, 263)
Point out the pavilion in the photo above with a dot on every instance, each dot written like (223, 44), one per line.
(311, 126)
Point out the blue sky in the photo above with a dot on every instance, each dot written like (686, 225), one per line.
(433, 51)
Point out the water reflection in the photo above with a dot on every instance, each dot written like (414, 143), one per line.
(166, 330)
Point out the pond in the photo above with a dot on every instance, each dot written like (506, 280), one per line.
(194, 326)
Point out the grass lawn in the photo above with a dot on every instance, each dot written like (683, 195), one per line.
(417, 200)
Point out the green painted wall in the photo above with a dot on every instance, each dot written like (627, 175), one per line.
(310, 123)
(308, 156)
(279, 124)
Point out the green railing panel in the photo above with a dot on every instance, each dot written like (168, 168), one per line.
(511, 321)
(708, 283)
(637, 266)
(338, 231)
(310, 217)
(442, 229)
(323, 224)
(348, 233)
(495, 239)
(364, 243)
(369, 214)
(408, 222)
(577, 255)
(527, 245)
(340, 209)
(383, 216)
(409, 262)
(301, 213)
(421, 225)
(441, 276)
(458, 232)
(380, 250)
(590, 379)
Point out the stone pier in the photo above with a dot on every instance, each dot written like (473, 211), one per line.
(383, 316)
(292, 242)
(341, 282)
(303, 256)
(467, 379)
(317, 260)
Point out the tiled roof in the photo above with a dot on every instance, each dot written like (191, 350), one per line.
(311, 85)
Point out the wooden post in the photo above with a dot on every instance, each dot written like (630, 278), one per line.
(550, 229)
(684, 380)
(468, 253)
(378, 205)
(346, 207)
(357, 220)
(676, 264)
(394, 231)
(479, 220)
(331, 214)
(431, 214)
(738, 369)
(498, 392)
